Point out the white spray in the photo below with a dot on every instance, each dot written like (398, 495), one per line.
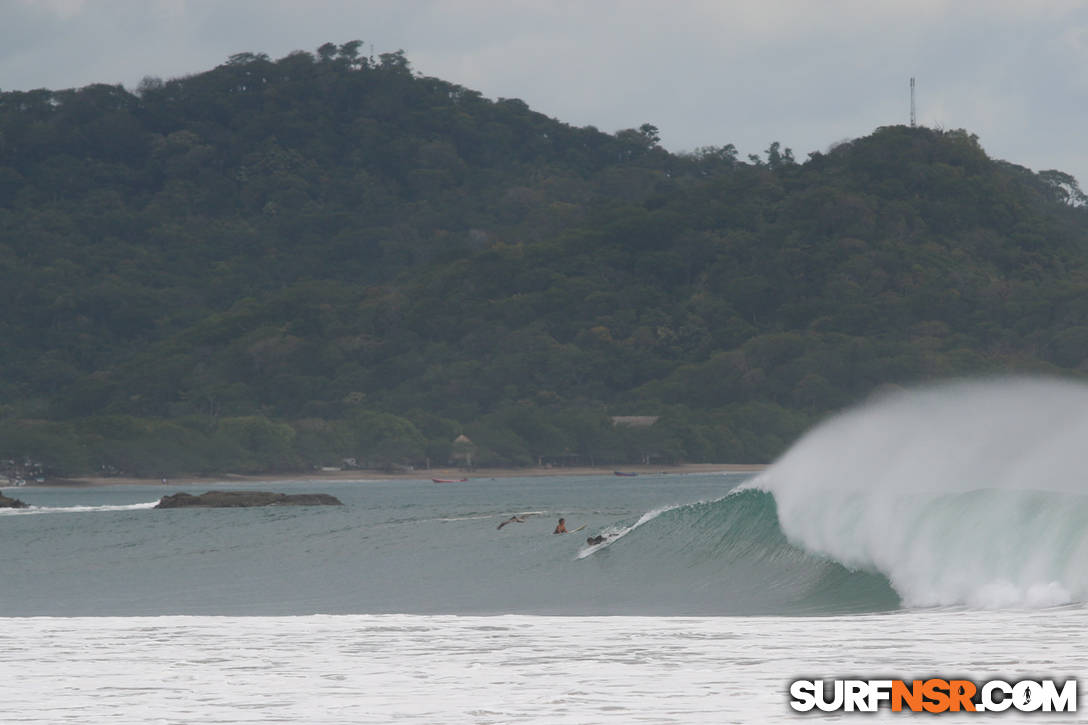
(972, 493)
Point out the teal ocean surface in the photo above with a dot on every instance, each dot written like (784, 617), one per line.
(675, 545)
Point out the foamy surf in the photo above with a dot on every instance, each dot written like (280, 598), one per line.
(77, 509)
(420, 670)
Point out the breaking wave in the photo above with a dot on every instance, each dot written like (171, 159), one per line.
(967, 494)
(970, 494)
(728, 556)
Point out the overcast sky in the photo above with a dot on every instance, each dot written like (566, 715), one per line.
(705, 72)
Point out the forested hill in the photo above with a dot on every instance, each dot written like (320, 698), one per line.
(280, 264)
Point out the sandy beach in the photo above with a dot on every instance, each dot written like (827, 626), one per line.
(414, 475)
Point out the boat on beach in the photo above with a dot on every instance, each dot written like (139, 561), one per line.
(624, 473)
(449, 480)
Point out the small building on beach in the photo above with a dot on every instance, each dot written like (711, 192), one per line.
(463, 449)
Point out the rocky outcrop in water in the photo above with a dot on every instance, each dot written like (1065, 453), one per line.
(11, 503)
(245, 499)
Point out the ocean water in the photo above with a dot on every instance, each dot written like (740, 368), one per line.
(938, 533)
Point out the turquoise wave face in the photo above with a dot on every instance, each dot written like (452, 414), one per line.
(730, 556)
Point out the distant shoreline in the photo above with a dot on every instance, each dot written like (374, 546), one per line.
(416, 475)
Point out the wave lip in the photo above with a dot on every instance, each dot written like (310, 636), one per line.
(969, 494)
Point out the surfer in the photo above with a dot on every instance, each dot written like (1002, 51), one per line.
(561, 527)
(598, 539)
(515, 519)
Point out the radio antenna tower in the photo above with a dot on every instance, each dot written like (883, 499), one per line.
(912, 124)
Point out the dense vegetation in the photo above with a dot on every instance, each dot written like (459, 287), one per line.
(279, 264)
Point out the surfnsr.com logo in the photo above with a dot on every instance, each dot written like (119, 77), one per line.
(934, 695)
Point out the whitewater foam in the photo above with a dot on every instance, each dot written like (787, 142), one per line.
(964, 494)
(509, 669)
(76, 509)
